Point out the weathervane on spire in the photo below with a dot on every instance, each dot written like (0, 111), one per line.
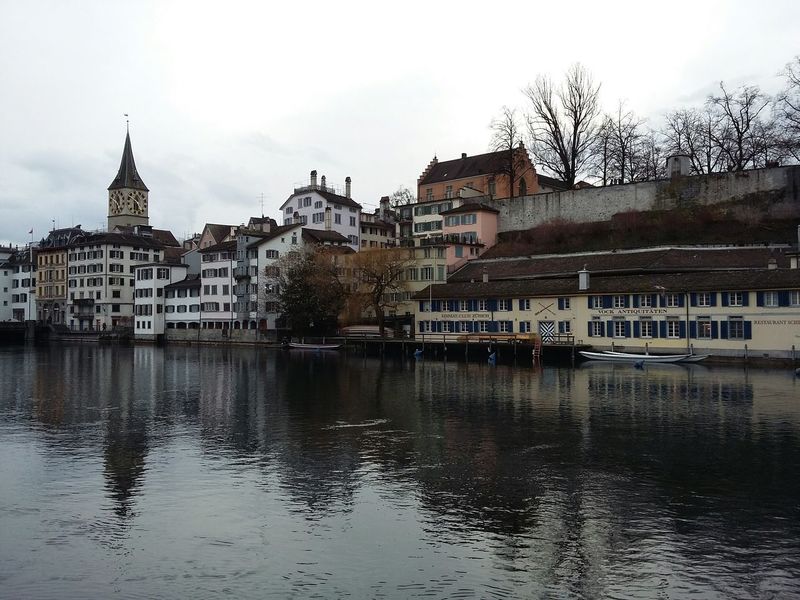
(127, 123)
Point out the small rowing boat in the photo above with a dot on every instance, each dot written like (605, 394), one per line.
(636, 358)
(688, 358)
(300, 346)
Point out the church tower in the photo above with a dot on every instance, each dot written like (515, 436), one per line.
(127, 194)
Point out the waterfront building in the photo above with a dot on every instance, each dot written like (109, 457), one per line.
(21, 266)
(217, 295)
(6, 275)
(378, 229)
(150, 308)
(722, 301)
(468, 230)
(323, 207)
(51, 280)
(215, 233)
(182, 303)
(101, 278)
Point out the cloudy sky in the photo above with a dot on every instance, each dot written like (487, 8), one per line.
(232, 100)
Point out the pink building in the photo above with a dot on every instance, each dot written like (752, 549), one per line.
(468, 230)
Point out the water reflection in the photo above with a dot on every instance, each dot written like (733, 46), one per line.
(603, 480)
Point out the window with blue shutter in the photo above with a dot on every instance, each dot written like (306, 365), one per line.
(492, 304)
(436, 306)
(589, 301)
(473, 305)
(560, 304)
(714, 330)
(636, 301)
(759, 298)
(628, 329)
(590, 329)
(609, 328)
(692, 329)
(608, 301)
(713, 298)
(653, 300)
(748, 330)
(784, 299)
(682, 329)
(662, 329)
(636, 328)
(745, 298)
(421, 305)
(724, 301)
(723, 330)
(420, 327)
(693, 300)
(493, 327)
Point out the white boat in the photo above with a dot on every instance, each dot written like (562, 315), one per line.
(687, 358)
(300, 346)
(635, 358)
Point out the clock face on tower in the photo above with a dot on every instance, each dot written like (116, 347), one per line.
(115, 202)
(138, 203)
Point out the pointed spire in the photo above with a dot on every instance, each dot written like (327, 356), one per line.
(128, 176)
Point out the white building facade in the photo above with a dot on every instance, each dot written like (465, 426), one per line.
(217, 294)
(149, 297)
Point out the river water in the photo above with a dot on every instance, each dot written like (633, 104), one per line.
(200, 473)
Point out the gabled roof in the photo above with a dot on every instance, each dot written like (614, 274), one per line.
(127, 176)
(649, 260)
(337, 199)
(322, 236)
(228, 246)
(190, 282)
(467, 166)
(470, 207)
(218, 231)
(272, 234)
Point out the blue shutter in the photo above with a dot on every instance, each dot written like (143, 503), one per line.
(420, 326)
(589, 301)
(723, 330)
(682, 329)
(436, 306)
(609, 328)
(759, 298)
(421, 305)
(590, 329)
(784, 299)
(713, 298)
(608, 302)
(714, 330)
(748, 330)
(693, 299)
(636, 301)
(473, 305)
(693, 329)
(493, 327)
(636, 329)
(745, 298)
(627, 301)
(653, 300)
(560, 304)
(662, 329)
(681, 300)
(519, 304)
(492, 304)
(725, 300)
(627, 329)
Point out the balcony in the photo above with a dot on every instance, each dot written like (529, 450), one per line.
(450, 238)
(241, 272)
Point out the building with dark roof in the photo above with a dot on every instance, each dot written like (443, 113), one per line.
(324, 207)
(127, 194)
(721, 301)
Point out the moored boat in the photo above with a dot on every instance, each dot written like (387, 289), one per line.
(635, 358)
(687, 358)
(301, 346)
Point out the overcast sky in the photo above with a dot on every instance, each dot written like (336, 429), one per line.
(232, 100)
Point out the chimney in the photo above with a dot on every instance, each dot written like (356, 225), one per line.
(323, 182)
(328, 218)
(347, 182)
(463, 155)
(384, 207)
(583, 279)
(485, 276)
(314, 178)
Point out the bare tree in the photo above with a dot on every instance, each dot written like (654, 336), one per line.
(563, 122)
(689, 131)
(507, 139)
(648, 161)
(601, 155)
(625, 132)
(401, 196)
(739, 115)
(787, 108)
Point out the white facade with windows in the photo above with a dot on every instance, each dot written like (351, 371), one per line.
(182, 304)
(217, 294)
(149, 297)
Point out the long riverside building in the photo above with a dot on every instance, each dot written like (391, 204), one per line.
(721, 301)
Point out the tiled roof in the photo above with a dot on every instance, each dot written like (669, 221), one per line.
(556, 184)
(325, 235)
(190, 282)
(337, 199)
(218, 231)
(648, 260)
(123, 239)
(469, 166)
(272, 234)
(230, 245)
(739, 280)
(470, 207)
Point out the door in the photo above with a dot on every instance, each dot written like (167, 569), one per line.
(547, 331)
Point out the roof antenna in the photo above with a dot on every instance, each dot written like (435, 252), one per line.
(262, 205)
(127, 124)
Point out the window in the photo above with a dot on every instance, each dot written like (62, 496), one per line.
(525, 304)
(425, 326)
(352, 221)
(318, 204)
(429, 194)
(483, 326)
(596, 328)
(445, 326)
(482, 305)
(673, 300)
(704, 328)
(771, 299)
(115, 308)
(597, 302)
(464, 326)
(445, 305)
(736, 299)
(463, 305)
(426, 273)
(646, 326)
(563, 303)
(505, 327)
(565, 327)
(524, 326)
(448, 191)
(620, 301)
(426, 306)
(503, 305)
(795, 299)
(735, 327)
(703, 299)
(619, 328)
(673, 328)
(337, 218)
